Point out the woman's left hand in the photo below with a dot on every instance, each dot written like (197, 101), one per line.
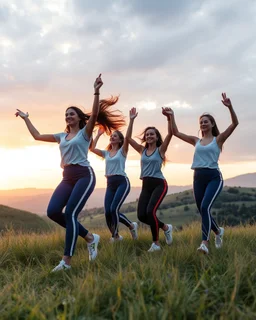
(98, 83)
(226, 101)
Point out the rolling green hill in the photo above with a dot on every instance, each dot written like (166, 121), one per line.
(19, 220)
(235, 205)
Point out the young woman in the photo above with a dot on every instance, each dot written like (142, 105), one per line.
(208, 180)
(78, 176)
(154, 185)
(118, 185)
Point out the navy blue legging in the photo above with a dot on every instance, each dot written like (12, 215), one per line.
(74, 190)
(118, 188)
(152, 194)
(207, 184)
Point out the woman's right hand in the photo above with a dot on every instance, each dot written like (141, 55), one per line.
(21, 114)
(167, 111)
(133, 113)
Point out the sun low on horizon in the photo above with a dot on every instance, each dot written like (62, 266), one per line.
(39, 167)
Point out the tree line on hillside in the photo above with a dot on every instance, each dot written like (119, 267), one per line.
(233, 214)
(229, 207)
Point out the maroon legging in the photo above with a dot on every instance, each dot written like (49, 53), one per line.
(152, 194)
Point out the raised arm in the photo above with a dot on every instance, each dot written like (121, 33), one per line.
(139, 148)
(222, 137)
(189, 139)
(95, 141)
(33, 131)
(95, 108)
(166, 112)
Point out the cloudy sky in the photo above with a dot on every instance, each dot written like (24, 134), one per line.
(152, 53)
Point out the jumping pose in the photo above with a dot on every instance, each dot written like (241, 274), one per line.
(78, 176)
(154, 185)
(208, 180)
(118, 185)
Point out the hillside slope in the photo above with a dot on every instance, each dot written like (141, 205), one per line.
(20, 220)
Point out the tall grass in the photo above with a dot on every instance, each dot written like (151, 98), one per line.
(127, 282)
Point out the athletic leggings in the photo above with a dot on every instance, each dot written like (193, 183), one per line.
(74, 190)
(118, 188)
(152, 194)
(208, 184)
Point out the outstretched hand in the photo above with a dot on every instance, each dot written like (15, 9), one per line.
(133, 113)
(167, 111)
(98, 83)
(21, 114)
(226, 101)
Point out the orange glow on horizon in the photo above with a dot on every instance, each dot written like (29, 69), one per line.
(39, 167)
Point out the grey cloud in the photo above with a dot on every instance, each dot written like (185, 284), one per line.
(155, 12)
(4, 14)
(147, 50)
(99, 6)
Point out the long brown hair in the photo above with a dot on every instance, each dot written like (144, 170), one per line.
(215, 130)
(159, 141)
(110, 120)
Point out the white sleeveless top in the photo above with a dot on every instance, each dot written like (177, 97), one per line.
(114, 165)
(206, 156)
(151, 165)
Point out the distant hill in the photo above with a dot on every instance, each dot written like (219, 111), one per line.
(235, 205)
(20, 220)
(244, 180)
(36, 200)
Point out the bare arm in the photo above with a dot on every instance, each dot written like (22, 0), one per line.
(189, 139)
(139, 148)
(94, 143)
(125, 146)
(166, 112)
(95, 108)
(222, 137)
(33, 131)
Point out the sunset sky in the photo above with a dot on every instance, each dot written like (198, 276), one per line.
(182, 54)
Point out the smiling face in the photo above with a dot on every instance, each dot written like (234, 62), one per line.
(206, 124)
(71, 117)
(151, 136)
(116, 138)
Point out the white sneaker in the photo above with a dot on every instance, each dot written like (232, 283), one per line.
(203, 249)
(219, 238)
(120, 238)
(154, 247)
(92, 247)
(61, 266)
(134, 231)
(168, 234)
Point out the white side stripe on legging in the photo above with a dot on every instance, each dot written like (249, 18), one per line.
(119, 204)
(73, 213)
(210, 204)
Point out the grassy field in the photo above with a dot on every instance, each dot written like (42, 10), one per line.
(127, 282)
(177, 217)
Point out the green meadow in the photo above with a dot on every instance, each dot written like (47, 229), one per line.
(127, 282)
